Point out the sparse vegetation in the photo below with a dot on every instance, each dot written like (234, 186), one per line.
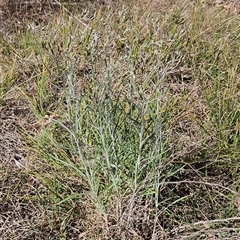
(120, 121)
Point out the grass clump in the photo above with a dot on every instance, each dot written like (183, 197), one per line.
(134, 121)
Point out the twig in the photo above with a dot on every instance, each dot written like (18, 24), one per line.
(204, 223)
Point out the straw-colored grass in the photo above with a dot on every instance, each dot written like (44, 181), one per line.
(120, 122)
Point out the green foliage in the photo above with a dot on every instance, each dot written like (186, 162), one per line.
(138, 112)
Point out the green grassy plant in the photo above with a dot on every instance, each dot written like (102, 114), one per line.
(136, 119)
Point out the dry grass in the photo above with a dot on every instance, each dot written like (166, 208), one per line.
(119, 120)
